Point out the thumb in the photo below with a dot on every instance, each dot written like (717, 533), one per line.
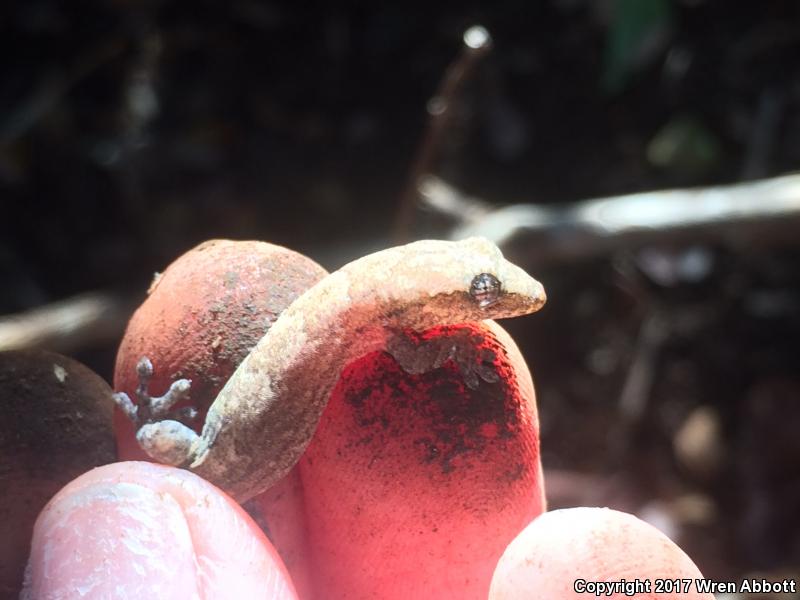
(139, 530)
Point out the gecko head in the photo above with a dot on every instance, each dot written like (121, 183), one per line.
(468, 280)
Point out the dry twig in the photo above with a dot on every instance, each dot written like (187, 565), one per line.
(67, 325)
(592, 227)
(477, 44)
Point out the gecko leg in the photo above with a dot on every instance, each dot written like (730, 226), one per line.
(167, 440)
(417, 353)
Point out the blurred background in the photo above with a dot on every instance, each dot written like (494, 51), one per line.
(666, 361)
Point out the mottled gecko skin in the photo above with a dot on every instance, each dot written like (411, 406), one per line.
(265, 416)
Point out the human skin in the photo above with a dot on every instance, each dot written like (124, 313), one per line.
(451, 535)
(594, 545)
(140, 530)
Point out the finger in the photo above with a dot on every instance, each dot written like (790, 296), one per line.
(562, 548)
(415, 484)
(139, 530)
(280, 512)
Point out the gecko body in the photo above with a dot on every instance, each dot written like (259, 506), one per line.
(264, 417)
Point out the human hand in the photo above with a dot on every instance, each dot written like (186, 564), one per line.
(136, 530)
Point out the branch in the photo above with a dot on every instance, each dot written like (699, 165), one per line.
(77, 322)
(593, 227)
(476, 44)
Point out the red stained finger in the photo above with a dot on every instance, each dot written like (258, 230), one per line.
(564, 552)
(202, 316)
(139, 530)
(415, 484)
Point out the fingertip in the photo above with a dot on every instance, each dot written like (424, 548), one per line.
(140, 530)
(591, 544)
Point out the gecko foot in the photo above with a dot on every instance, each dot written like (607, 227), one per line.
(161, 430)
(169, 442)
(154, 408)
(417, 354)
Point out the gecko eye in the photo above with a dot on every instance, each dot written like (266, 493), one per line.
(485, 289)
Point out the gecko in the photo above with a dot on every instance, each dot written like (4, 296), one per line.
(266, 414)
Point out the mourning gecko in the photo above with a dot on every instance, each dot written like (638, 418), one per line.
(265, 415)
